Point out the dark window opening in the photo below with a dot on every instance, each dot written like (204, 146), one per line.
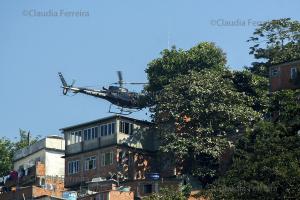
(147, 188)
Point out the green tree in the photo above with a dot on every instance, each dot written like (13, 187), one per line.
(274, 42)
(25, 140)
(267, 159)
(255, 86)
(266, 166)
(6, 153)
(167, 193)
(197, 114)
(172, 63)
(285, 106)
(8, 148)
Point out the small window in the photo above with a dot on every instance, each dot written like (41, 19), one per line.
(105, 130)
(102, 130)
(72, 138)
(113, 125)
(293, 73)
(274, 72)
(94, 132)
(85, 133)
(89, 134)
(106, 158)
(73, 167)
(90, 163)
(126, 128)
(109, 129)
(77, 136)
(147, 188)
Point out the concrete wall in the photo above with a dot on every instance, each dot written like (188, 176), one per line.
(30, 160)
(55, 143)
(55, 164)
(30, 149)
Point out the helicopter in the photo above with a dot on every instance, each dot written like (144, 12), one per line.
(125, 100)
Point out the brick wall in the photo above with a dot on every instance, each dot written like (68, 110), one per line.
(23, 192)
(283, 79)
(137, 165)
(113, 195)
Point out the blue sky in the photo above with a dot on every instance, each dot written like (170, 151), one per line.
(109, 36)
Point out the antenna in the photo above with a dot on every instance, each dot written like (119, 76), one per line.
(169, 31)
(168, 38)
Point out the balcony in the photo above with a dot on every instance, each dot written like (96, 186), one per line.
(91, 144)
(30, 178)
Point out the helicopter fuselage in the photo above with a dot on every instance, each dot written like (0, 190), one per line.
(118, 96)
(115, 95)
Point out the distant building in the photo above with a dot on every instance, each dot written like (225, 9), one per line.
(285, 76)
(38, 171)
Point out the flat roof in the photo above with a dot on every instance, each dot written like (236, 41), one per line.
(286, 63)
(105, 119)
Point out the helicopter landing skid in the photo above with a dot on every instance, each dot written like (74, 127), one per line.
(123, 111)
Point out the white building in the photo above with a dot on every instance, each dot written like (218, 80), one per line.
(48, 151)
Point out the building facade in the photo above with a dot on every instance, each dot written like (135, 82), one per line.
(285, 76)
(38, 170)
(113, 147)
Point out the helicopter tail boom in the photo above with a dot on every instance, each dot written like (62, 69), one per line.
(63, 81)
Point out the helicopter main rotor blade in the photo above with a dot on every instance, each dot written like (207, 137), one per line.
(134, 83)
(131, 83)
(120, 76)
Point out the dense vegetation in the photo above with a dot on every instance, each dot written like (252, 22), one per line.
(203, 108)
(8, 147)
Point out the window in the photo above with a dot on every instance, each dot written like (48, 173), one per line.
(73, 167)
(274, 72)
(293, 73)
(90, 163)
(107, 129)
(90, 133)
(75, 137)
(94, 132)
(126, 127)
(103, 196)
(147, 188)
(85, 133)
(106, 158)
(72, 138)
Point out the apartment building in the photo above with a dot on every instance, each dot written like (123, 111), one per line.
(285, 76)
(38, 171)
(112, 147)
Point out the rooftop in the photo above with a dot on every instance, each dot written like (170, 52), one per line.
(103, 120)
(286, 63)
(53, 142)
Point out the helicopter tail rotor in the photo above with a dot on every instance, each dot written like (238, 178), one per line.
(65, 86)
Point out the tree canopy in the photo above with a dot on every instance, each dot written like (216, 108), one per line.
(163, 70)
(274, 42)
(9, 147)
